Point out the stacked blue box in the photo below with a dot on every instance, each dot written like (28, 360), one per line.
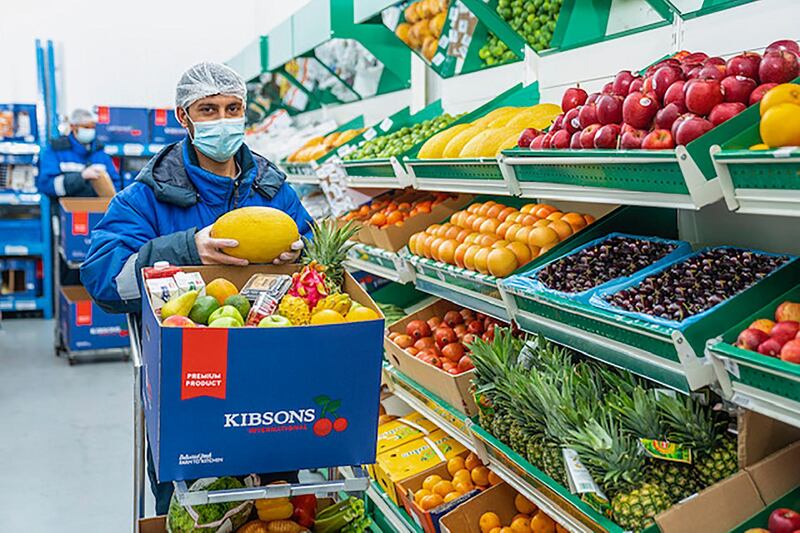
(121, 125)
(18, 123)
(84, 326)
(164, 127)
(78, 217)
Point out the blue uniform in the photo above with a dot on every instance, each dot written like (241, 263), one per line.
(63, 161)
(156, 218)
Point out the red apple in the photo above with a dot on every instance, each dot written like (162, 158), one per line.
(770, 347)
(663, 78)
(760, 91)
(638, 110)
(587, 136)
(587, 115)
(702, 95)
(178, 321)
(475, 327)
(778, 67)
(444, 335)
(791, 351)
(783, 521)
(725, 111)
(784, 44)
(658, 140)
(691, 128)
(468, 339)
(609, 110)
(695, 58)
(635, 86)
(608, 88)
(694, 73)
(745, 64)
(425, 343)
(560, 139)
(713, 61)
(418, 329)
(622, 83)
(674, 94)
(571, 121)
(573, 97)
(558, 123)
(453, 318)
(536, 143)
(750, 339)
(631, 139)
(593, 98)
(738, 88)
(527, 136)
(575, 141)
(468, 315)
(788, 311)
(678, 121)
(667, 115)
(785, 328)
(465, 364)
(607, 136)
(546, 139)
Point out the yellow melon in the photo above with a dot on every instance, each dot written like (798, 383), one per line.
(491, 115)
(485, 143)
(509, 142)
(433, 147)
(456, 144)
(263, 233)
(504, 118)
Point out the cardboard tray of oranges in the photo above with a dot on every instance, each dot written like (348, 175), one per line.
(462, 270)
(304, 161)
(436, 164)
(754, 177)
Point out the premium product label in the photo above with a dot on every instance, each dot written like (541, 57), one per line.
(204, 363)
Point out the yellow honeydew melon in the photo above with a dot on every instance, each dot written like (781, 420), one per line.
(434, 147)
(263, 233)
(456, 144)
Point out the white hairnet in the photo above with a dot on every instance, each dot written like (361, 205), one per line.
(81, 116)
(208, 79)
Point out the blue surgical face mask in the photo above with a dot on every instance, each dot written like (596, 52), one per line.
(85, 135)
(218, 139)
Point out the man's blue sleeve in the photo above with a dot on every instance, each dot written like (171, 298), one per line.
(49, 169)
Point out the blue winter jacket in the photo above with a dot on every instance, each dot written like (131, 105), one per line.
(63, 161)
(156, 218)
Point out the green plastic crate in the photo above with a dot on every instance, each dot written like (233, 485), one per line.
(760, 383)
(791, 500)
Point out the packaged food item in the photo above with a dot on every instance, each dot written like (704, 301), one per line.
(161, 269)
(274, 285)
(160, 291)
(264, 306)
(190, 281)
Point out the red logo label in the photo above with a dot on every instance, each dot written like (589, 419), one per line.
(136, 133)
(161, 117)
(83, 313)
(80, 223)
(103, 115)
(204, 363)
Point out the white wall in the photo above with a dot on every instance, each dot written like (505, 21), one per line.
(127, 53)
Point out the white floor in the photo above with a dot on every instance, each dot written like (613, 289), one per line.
(65, 437)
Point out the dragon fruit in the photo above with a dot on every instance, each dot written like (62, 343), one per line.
(309, 284)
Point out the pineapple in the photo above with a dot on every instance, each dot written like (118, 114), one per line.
(328, 247)
(614, 459)
(693, 425)
(640, 416)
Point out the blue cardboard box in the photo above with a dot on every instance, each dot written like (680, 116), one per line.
(119, 125)
(18, 123)
(20, 276)
(233, 401)
(78, 217)
(164, 127)
(87, 327)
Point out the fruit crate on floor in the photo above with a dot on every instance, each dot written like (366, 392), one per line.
(474, 175)
(764, 384)
(387, 172)
(667, 355)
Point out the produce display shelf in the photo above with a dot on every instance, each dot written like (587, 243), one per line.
(18, 159)
(767, 385)
(633, 177)
(382, 263)
(18, 148)
(22, 249)
(387, 515)
(468, 175)
(133, 149)
(760, 182)
(383, 173)
(461, 428)
(9, 197)
(302, 179)
(9, 302)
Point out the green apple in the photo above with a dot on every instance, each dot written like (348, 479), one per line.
(225, 322)
(274, 321)
(226, 311)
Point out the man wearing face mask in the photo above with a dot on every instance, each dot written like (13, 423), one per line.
(71, 162)
(166, 215)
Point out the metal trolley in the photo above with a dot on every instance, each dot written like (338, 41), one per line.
(355, 482)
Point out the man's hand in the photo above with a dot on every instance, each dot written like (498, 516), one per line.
(292, 255)
(93, 172)
(208, 249)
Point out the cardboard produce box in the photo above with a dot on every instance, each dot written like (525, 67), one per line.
(122, 125)
(85, 326)
(222, 401)
(156, 524)
(465, 518)
(412, 458)
(429, 520)
(78, 217)
(453, 389)
(402, 430)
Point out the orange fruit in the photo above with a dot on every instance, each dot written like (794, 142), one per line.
(513, 217)
(462, 474)
(780, 125)
(426, 245)
(474, 207)
(478, 222)
(437, 241)
(452, 232)
(521, 525)
(461, 251)
(442, 230)
(451, 496)
(431, 501)
(484, 209)
(471, 237)
(489, 226)
(494, 210)
(462, 235)
(463, 488)
(506, 530)
(555, 216)
(469, 256)
(487, 240)
(421, 493)
(541, 523)
(221, 289)
(563, 229)
(523, 505)
(528, 220)
(522, 234)
(542, 237)
(500, 244)
(480, 475)
(469, 221)
(575, 220)
(503, 214)
(785, 93)
(378, 219)
(395, 217)
(481, 260)
(522, 251)
(454, 465)
(430, 481)
(443, 488)
(544, 249)
(496, 529)
(326, 316)
(488, 521)
(521, 515)
(529, 208)
(501, 262)
(447, 251)
(544, 210)
(589, 219)
(502, 229)
(561, 529)
(432, 229)
(541, 223)
(455, 218)
(472, 462)
(511, 233)
(494, 479)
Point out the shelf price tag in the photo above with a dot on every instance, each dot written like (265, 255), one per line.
(732, 367)
(386, 124)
